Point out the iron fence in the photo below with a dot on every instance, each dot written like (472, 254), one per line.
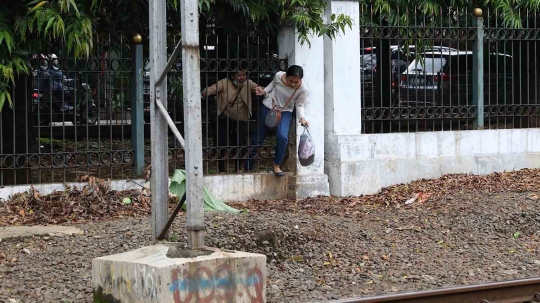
(73, 118)
(229, 107)
(424, 76)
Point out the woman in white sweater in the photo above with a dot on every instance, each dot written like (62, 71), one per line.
(285, 92)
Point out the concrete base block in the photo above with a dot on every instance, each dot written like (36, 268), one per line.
(353, 178)
(164, 273)
(244, 187)
(303, 186)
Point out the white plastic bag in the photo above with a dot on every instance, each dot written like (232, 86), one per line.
(306, 148)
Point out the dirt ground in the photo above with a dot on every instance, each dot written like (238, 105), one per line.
(324, 248)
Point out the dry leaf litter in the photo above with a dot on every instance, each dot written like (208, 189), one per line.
(456, 230)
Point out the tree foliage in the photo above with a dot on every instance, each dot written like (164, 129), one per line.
(29, 26)
(510, 13)
(32, 25)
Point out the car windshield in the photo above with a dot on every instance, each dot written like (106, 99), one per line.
(368, 61)
(427, 65)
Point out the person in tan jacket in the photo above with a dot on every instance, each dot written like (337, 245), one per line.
(234, 106)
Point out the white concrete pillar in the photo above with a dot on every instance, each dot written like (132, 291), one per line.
(311, 180)
(342, 104)
(342, 73)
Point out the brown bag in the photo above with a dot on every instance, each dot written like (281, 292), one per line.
(274, 115)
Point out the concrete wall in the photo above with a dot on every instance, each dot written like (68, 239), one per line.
(358, 164)
(311, 180)
(348, 162)
(225, 187)
(363, 164)
(342, 112)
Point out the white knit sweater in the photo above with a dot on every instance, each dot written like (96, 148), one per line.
(280, 92)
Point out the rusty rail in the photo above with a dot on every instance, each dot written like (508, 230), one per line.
(515, 291)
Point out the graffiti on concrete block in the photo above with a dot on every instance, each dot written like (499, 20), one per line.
(139, 285)
(202, 284)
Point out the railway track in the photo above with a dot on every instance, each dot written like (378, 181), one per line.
(515, 291)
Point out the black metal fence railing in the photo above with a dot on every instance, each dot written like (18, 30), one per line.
(231, 67)
(73, 118)
(421, 77)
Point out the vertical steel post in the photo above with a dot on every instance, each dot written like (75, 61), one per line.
(158, 127)
(478, 68)
(192, 122)
(137, 119)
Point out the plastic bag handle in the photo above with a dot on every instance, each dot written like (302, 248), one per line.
(306, 128)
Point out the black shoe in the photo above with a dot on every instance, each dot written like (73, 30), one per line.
(279, 174)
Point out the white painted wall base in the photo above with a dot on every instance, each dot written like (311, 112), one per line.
(225, 187)
(311, 185)
(363, 164)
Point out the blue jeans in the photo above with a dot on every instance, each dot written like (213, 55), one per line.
(282, 136)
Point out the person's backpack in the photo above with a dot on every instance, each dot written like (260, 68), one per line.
(306, 148)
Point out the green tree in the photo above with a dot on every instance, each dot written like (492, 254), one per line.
(406, 12)
(30, 26)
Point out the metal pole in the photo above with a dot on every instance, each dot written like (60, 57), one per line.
(158, 126)
(478, 69)
(137, 119)
(189, 13)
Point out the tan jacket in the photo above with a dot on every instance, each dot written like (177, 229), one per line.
(232, 104)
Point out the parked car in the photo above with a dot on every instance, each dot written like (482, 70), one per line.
(370, 68)
(444, 78)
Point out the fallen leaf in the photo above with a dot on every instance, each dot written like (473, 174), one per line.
(411, 200)
(410, 227)
(533, 197)
(21, 213)
(423, 197)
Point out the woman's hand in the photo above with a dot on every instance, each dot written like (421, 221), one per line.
(304, 122)
(259, 91)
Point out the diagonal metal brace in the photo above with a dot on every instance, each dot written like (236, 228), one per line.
(171, 219)
(170, 63)
(171, 123)
(160, 106)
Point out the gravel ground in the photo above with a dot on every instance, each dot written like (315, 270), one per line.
(464, 238)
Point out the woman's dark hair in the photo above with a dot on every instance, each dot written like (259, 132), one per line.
(295, 71)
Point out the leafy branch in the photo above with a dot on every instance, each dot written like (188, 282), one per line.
(28, 26)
